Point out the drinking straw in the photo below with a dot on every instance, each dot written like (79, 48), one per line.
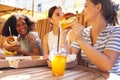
(58, 39)
(10, 31)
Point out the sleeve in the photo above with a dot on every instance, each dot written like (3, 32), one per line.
(75, 44)
(114, 40)
(34, 40)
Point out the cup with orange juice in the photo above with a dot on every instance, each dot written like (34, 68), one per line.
(58, 64)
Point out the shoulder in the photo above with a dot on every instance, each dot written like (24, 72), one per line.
(32, 35)
(45, 36)
(115, 29)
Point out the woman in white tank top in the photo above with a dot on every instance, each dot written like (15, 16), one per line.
(51, 38)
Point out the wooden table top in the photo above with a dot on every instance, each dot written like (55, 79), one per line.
(45, 73)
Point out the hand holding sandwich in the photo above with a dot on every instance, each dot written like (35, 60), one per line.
(11, 44)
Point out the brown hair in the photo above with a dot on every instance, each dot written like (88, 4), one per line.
(108, 11)
(52, 10)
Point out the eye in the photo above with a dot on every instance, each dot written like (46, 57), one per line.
(86, 5)
(17, 25)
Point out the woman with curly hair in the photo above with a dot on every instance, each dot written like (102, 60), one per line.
(22, 26)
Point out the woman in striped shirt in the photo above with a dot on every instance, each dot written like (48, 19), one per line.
(100, 43)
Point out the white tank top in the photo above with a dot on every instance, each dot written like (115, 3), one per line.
(52, 43)
(52, 40)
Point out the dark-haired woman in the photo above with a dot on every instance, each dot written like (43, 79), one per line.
(100, 43)
(22, 26)
(51, 38)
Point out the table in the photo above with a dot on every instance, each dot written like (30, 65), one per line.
(44, 73)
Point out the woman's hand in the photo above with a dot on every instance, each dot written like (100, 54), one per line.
(78, 31)
(63, 37)
(46, 56)
(12, 48)
(16, 48)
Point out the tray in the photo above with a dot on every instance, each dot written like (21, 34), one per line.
(4, 63)
(26, 61)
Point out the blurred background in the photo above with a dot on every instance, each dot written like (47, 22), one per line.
(38, 9)
(42, 6)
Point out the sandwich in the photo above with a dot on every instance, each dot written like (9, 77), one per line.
(11, 41)
(67, 19)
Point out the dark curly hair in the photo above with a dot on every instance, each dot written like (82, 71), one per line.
(11, 22)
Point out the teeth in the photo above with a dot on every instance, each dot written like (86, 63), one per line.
(23, 30)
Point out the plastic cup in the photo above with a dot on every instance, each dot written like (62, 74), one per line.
(58, 65)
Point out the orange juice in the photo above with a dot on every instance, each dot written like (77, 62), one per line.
(58, 65)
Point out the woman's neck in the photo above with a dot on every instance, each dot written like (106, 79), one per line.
(55, 30)
(99, 25)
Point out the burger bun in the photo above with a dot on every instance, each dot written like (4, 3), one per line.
(11, 41)
(67, 19)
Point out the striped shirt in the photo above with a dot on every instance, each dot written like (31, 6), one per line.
(107, 39)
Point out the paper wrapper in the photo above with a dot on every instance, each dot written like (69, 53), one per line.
(7, 53)
(11, 43)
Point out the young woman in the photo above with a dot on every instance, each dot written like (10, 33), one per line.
(51, 38)
(21, 25)
(100, 43)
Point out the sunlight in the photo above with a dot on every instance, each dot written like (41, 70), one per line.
(16, 77)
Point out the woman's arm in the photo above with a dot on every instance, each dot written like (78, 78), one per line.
(73, 48)
(103, 60)
(35, 51)
(45, 46)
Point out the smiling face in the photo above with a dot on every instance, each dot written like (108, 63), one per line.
(90, 11)
(21, 26)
